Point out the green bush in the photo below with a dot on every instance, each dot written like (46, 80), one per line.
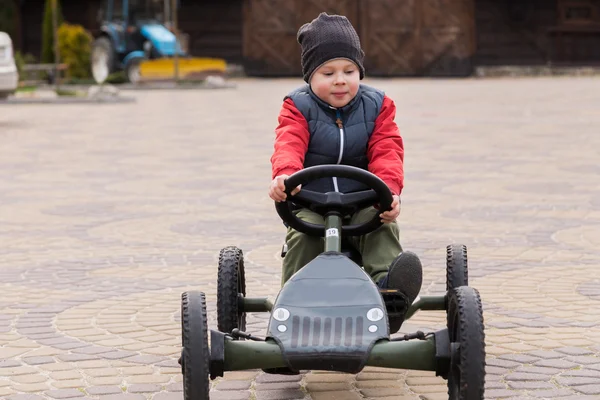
(116, 78)
(65, 92)
(75, 46)
(47, 31)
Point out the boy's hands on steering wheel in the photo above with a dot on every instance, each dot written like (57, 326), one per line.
(277, 188)
(277, 193)
(390, 216)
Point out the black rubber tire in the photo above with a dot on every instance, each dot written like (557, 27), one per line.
(466, 378)
(231, 284)
(105, 43)
(196, 354)
(457, 270)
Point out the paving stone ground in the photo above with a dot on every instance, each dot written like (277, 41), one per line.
(109, 212)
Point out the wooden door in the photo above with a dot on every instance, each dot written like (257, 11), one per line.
(270, 46)
(447, 37)
(269, 37)
(389, 32)
(417, 37)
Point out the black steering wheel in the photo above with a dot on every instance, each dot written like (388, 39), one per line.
(334, 202)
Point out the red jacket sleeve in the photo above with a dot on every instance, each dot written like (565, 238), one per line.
(386, 148)
(291, 141)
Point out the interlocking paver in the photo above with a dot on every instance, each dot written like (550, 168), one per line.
(69, 383)
(33, 378)
(38, 360)
(280, 394)
(275, 386)
(244, 395)
(64, 393)
(143, 388)
(345, 395)
(240, 385)
(102, 390)
(327, 386)
(110, 212)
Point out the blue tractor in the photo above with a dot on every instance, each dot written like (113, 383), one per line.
(133, 33)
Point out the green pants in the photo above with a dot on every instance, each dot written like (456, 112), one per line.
(378, 248)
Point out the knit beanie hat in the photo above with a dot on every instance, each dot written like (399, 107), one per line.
(325, 38)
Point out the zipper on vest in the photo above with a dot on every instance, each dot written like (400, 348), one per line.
(340, 125)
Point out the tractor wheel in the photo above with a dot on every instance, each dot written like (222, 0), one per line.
(132, 70)
(466, 378)
(457, 271)
(231, 285)
(103, 59)
(195, 356)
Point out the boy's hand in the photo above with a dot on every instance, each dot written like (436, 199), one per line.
(277, 188)
(390, 216)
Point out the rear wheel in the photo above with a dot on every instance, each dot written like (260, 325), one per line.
(103, 59)
(466, 378)
(231, 287)
(195, 356)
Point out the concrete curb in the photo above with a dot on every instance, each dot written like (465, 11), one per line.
(70, 100)
(533, 71)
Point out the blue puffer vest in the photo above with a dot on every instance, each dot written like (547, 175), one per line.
(338, 136)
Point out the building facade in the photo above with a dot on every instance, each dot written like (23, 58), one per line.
(400, 37)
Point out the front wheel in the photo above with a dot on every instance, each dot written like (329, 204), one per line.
(466, 378)
(195, 358)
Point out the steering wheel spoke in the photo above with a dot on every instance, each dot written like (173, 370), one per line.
(361, 199)
(309, 199)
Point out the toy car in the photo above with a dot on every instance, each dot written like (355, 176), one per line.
(330, 315)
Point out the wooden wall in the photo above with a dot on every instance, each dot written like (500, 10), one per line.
(214, 28)
(533, 32)
(399, 37)
(513, 33)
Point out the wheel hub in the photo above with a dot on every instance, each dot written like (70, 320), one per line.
(181, 362)
(133, 73)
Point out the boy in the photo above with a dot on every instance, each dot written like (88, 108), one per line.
(336, 120)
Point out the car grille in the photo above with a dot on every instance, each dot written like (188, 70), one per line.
(346, 331)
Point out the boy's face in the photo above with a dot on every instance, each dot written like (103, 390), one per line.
(336, 82)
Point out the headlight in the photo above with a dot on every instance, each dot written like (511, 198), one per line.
(281, 314)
